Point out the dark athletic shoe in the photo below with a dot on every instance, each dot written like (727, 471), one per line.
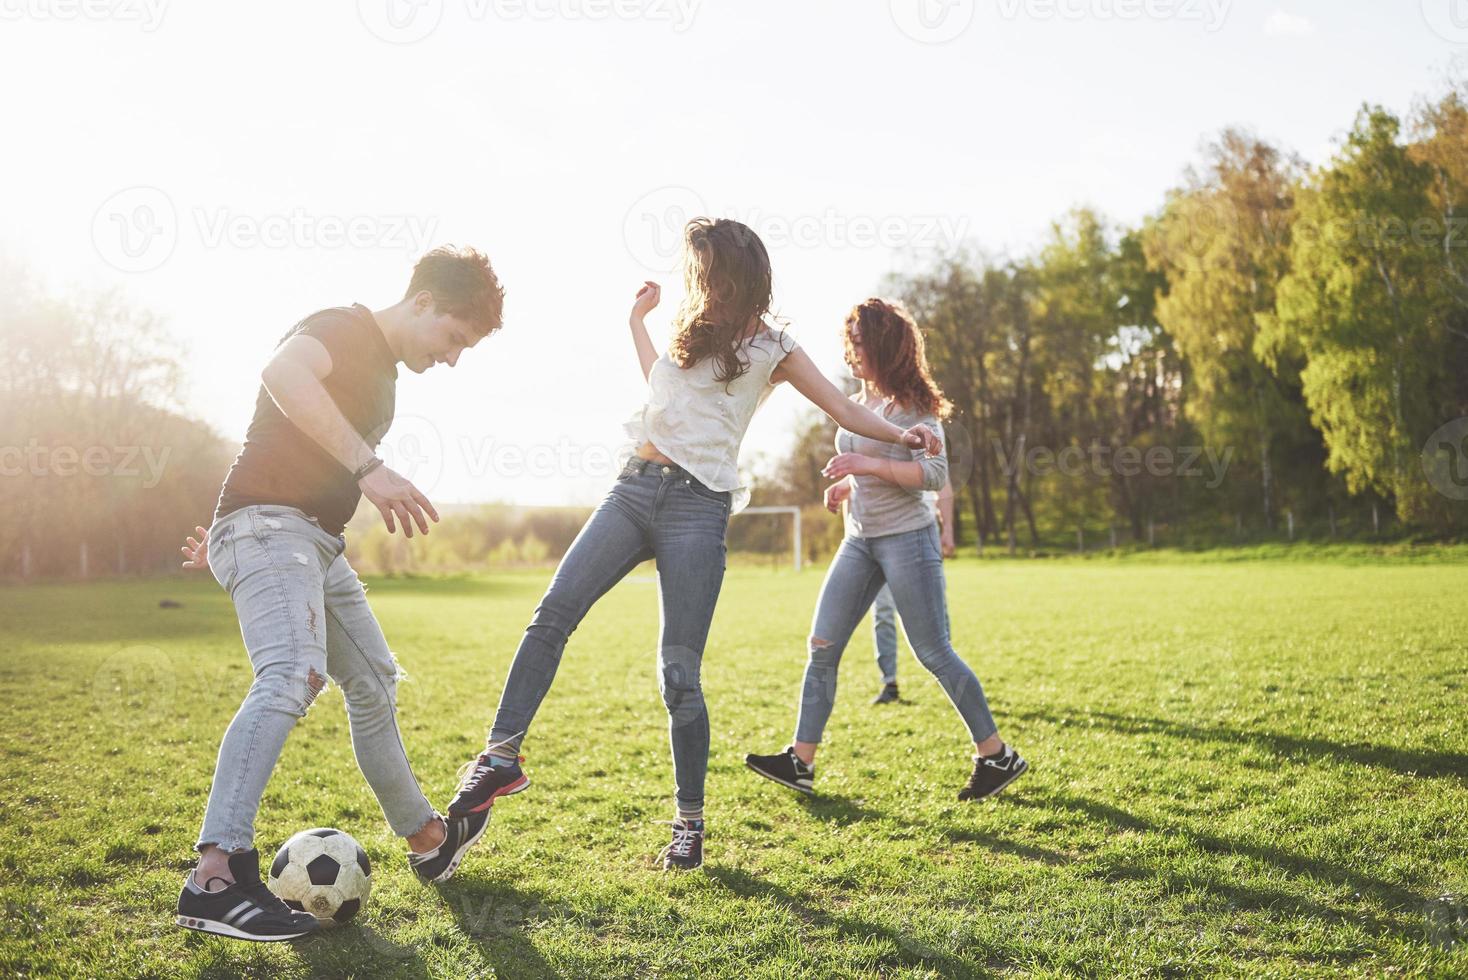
(686, 851)
(483, 784)
(460, 834)
(245, 909)
(784, 768)
(993, 773)
(887, 695)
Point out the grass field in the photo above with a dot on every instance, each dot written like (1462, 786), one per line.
(1244, 767)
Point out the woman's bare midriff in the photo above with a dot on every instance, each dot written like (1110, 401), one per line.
(650, 452)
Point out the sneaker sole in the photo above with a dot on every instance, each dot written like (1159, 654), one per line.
(519, 786)
(807, 790)
(217, 928)
(448, 872)
(1024, 767)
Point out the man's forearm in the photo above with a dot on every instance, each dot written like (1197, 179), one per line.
(305, 402)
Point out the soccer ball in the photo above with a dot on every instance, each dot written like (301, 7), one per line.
(324, 872)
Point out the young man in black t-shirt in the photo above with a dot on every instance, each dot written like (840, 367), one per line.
(276, 545)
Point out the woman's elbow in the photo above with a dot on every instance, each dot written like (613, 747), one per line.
(935, 477)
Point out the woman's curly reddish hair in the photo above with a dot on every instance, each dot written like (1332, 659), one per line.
(894, 356)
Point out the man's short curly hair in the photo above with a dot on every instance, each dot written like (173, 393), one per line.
(463, 285)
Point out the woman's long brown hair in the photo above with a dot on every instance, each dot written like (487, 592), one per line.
(894, 357)
(727, 279)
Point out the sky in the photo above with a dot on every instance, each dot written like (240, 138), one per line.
(236, 167)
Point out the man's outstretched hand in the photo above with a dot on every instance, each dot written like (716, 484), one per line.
(399, 502)
(196, 552)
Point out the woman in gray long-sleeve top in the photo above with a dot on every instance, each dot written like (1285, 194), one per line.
(891, 538)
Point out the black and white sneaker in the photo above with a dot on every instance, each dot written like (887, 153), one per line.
(784, 768)
(887, 695)
(686, 850)
(244, 909)
(483, 783)
(460, 834)
(992, 773)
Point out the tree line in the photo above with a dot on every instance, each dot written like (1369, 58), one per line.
(1276, 349)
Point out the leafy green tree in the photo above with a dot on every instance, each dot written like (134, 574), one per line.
(1222, 241)
(1362, 306)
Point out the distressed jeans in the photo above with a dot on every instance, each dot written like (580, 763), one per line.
(304, 617)
(653, 511)
(911, 563)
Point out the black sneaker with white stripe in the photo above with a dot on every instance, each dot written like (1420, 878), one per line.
(244, 909)
(784, 768)
(460, 834)
(686, 850)
(992, 773)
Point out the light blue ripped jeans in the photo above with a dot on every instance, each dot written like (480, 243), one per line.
(911, 563)
(652, 511)
(304, 618)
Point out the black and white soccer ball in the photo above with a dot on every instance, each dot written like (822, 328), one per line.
(322, 871)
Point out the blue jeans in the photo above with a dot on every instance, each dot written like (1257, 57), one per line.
(652, 511)
(304, 617)
(884, 634)
(911, 563)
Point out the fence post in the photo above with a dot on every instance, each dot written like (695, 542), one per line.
(1081, 540)
(1290, 520)
(1151, 533)
(25, 560)
(799, 552)
(82, 558)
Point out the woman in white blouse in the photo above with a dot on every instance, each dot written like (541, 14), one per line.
(672, 503)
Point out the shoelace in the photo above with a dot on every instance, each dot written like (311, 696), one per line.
(683, 840)
(257, 892)
(473, 772)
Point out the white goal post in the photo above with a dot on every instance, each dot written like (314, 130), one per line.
(793, 512)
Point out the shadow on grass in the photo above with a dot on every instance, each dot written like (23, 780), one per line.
(497, 917)
(913, 953)
(360, 950)
(1408, 762)
(1241, 896)
(842, 811)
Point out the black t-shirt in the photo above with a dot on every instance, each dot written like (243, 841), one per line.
(280, 464)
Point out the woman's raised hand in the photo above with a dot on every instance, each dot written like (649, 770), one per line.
(924, 438)
(647, 298)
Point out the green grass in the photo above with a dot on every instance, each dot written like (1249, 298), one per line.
(1243, 767)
